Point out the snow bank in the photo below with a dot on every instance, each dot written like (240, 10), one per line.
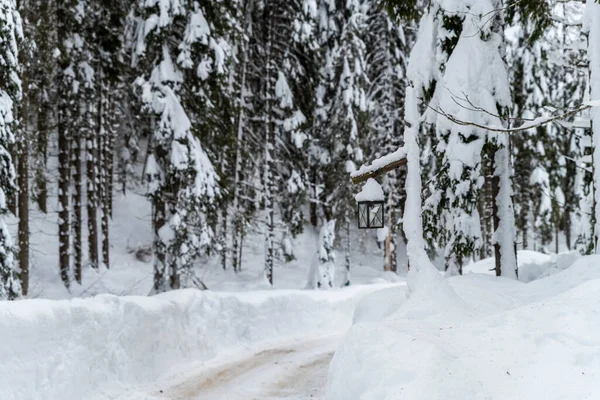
(532, 265)
(73, 349)
(505, 340)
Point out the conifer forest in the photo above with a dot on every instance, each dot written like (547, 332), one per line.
(299, 199)
(245, 118)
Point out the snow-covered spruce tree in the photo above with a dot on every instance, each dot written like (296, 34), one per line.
(24, 135)
(42, 70)
(341, 108)
(182, 181)
(386, 53)
(459, 94)
(10, 94)
(109, 92)
(276, 63)
(448, 216)
(528, 83)
(592, 26)
(81, 123)
(240, 212)
(545, 76)
(69, 43)
(438, 32)
(322, 271)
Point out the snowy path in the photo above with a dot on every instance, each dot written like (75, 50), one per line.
(293, 371)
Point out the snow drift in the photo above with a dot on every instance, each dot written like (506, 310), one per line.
(501, 339)
(76, 349)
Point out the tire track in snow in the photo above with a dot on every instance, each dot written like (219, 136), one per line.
(294, 372)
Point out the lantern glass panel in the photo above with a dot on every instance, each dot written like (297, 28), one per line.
(370, 214)
(376, 215)
(363, 220)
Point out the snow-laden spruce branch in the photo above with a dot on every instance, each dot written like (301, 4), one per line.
(535, 123)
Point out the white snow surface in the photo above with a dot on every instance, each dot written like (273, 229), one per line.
(371, 191)
(532, 265)
(100, 348)
(486, 338)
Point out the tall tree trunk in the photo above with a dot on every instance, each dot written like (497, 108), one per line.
(556, 233)
(77, 212)
(160, 254)
(42, 152)
(270, 236)
(314, 217)
(504, 219)
(106, 195)
(236, 244)
(269, 151)
(347, 250)
(388, 238)
(241, 121)
(23, 184)
(241, 249)
(92, 176)
(224, 249)
(495, 181)
(64, 230)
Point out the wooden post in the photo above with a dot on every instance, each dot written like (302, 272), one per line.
(388, 239)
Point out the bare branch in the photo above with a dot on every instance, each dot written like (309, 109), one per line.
(528, 125)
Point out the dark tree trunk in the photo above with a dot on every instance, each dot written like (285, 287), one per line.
(347, 250)
(236, 244)
(63, 196)
(314, 217)
(224, 249)
(42, 154)
(160, 256)
(481, 209)
(241, 249)
(92, 142)
(23, 183)
(496, 217)
(106, 195)
(77, 212)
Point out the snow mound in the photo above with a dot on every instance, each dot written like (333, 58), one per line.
(532, 265)
(379, 305)
(509, 340)
(79, 348)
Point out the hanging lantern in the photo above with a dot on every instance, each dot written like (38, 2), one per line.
(370, 206)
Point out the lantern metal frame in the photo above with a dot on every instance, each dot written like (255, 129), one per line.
(366, 220)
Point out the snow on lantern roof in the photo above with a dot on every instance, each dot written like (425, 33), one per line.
(371, 191)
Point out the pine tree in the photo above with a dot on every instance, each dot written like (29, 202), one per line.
(42, 71)
(66, 98)
(341, 108)
(10, 95)
(275, 63)
(182, 180)
(386, 44)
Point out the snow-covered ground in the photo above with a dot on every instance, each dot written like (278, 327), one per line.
(477, 337)
(111, 347)
(532, 265)
(290, 370)
(481, 337)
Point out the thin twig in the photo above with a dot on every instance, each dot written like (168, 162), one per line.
(530, 125)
